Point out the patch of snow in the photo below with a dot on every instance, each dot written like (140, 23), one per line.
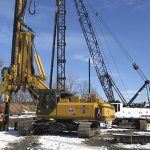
(133, 146)
(106, 131)
(29, 112)
(22, 116)
(65, 143)
(143, 133)
(117, 129)
(8, 137)
(25, 114)
(107, 138)
(119, 134)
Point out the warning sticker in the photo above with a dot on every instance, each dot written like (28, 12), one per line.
(83, 111)
(70, 109)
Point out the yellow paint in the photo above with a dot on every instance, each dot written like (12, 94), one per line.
(21, 74)
(81, 110)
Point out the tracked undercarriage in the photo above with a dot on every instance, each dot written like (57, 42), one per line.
(68, 114)
(84, 129)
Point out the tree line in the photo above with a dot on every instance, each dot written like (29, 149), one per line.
(74, 86)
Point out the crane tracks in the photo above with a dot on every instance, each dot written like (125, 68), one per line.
(84, 129)
(88, 129)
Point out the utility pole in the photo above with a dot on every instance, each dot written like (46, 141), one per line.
(89, 76)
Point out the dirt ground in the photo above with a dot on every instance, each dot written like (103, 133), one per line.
(27, 143)
(21, 107)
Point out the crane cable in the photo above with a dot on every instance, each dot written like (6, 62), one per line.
(121, 78)
(135, 66)
(34, 7)
(22, 13)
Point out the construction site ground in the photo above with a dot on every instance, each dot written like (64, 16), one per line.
(16, 108)
(104, 141)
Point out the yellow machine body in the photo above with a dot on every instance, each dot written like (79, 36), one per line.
(75, 108)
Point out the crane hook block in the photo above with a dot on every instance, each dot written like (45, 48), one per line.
(135, 66)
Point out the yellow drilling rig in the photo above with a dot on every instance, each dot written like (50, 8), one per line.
(57, 111)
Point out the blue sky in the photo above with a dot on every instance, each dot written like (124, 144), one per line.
(128, 19)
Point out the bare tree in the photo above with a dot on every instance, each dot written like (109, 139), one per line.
(72, 84)
(22, 97)
(1, 65)
(84, 90)
(75, 87)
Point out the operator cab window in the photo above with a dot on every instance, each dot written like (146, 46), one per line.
(117, 107)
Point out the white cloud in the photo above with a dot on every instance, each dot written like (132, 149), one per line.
(75, 40)
(130, 2)
(130, 93)
(139, 5)
(43, 41)
(143, 6)
(81, 58)
(87, 78)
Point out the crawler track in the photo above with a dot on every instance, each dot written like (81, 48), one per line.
(88, 129)
(84, 129)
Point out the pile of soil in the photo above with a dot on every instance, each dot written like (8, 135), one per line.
(21, 107)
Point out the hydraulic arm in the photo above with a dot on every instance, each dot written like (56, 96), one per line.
(21, 71)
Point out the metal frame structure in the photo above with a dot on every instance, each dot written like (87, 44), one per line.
(94, 49)
(61, 46)
(95, 52)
